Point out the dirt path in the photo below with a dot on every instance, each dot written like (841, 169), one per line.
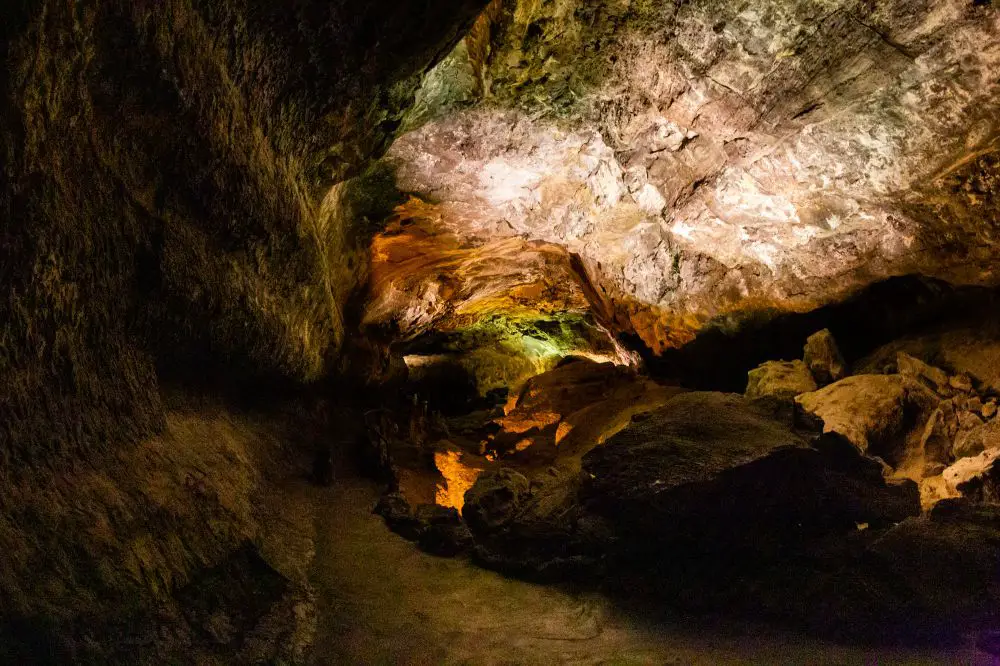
(382, 601)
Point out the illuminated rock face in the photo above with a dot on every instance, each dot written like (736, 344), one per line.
(711, 160)
(503, 310)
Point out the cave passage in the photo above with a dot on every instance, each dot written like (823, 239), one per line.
(500, 331)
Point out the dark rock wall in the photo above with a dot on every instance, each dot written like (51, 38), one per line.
(173, 209)
(163, 171)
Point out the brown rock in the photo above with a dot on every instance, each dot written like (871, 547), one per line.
(961, 383)
(823, 358)
(974, 404)
(950, 415)
(984, 487)
(989, 410)
(866, 409)
(974, 441)
(968, 420)
(783, 379)
(494, 499)
(975, 476)
(910, 366)
(934, 442)
(708, 471)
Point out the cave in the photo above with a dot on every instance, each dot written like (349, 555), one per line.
(500, 332)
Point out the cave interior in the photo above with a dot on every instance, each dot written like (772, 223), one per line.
(500, 331)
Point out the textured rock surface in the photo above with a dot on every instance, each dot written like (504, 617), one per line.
(782, 379)
(710, 160)
(166, 187)
(866, 409)
(973, 349)
(710, 473)
(172, 205)
(503, 311)
(822, 356)
(494, 499)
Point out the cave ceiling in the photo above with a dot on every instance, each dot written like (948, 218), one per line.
(692, 165)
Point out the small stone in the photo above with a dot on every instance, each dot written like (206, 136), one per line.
(961, 383)
(974, 404)
(989, 410)
(968, 420)
(823, 358)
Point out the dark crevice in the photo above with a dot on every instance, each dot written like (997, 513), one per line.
(883, 312)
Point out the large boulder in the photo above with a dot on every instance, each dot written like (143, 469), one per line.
(866, 409)
(494, 499)
(972, 349)
(934, 378)
(981, 437)
(822, 356)
(535, 529)
(438, 530)
(941, 569)
(977, 478)
(708, 474)
(781, 379)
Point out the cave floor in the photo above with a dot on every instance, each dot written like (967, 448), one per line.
(380, 600)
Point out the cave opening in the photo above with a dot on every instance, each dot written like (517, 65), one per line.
(500, 331)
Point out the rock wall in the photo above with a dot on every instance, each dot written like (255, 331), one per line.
(164, 175)
(175, 206)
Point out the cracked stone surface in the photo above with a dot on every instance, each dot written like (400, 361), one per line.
(711, 161)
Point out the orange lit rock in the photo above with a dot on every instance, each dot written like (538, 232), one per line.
(460, 471)
(424, 276)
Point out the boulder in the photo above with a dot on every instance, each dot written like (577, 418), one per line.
(822, 356)
(962, 383)
(708, 475)
(866, 409)
(538, 530)
(984, 487)
(494, 499)
(975, 440)
(950, 416)
(963, 474)
(974, 404)
(935, 378)
(943, 567)
(443, 532)
(398, 516)
(782, 379)
(973, 350)
(438, 530)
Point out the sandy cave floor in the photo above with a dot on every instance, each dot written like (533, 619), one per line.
(380, 600)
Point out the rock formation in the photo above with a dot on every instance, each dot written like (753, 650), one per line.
(507, 258)
(711, 162)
